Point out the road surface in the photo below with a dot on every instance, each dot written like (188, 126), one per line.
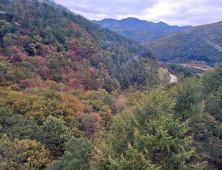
(173, 78)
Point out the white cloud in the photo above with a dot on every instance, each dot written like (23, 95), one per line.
(172, 12)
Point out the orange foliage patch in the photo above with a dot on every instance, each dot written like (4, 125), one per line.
(71, 105)
(74, 26)
(45, 51)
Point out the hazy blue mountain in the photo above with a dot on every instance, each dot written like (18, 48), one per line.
(136, 24)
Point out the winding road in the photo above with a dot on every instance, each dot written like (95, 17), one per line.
(173, 78)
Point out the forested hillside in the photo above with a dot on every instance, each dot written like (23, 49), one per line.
(201, 43)
(75, 96)
(143, 36)
(57, 45)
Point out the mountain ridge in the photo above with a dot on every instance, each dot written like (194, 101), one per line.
(134, 23)
(202, 43)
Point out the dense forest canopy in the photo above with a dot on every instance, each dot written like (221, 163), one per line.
(58, 45)
(74, 95)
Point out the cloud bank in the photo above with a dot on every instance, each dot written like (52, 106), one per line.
(172, 12)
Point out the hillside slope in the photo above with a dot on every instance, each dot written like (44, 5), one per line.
(48, 41)
(143, 36)
(201, 43)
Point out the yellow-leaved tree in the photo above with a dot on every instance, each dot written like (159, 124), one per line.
(22, 154)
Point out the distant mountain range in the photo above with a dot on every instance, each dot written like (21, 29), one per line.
(203, 43)
(136, 24)
(140, 31)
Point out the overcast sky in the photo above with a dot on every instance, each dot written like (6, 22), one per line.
(172, 12)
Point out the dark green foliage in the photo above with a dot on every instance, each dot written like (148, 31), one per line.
(212, 83)
(146, 136)
(18, 128)
(110, 102)
(187, 99)
(5, 113)
(213, 80)
(214, 104)
(76, 156)
(56, 134)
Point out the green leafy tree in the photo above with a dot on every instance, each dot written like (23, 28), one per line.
(148, 137)
(212, 80)
(188, 98)
(76, 156)
(214, 104)
(56, 134)
(22, 154)
(18, 127)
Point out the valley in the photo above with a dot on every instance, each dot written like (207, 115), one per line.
(77, 95)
